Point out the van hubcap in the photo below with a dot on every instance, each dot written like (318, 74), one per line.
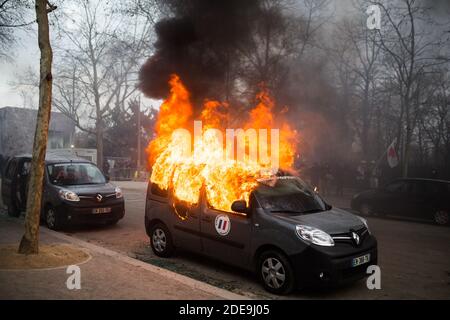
(51, 218)
(441, 217)
(273, 273)
(159, 240)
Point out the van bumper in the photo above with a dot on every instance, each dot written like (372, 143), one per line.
(332, 266)
(74, 215)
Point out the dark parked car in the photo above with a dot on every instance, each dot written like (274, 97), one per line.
(420, 199)
(288, 235)
(75, 191)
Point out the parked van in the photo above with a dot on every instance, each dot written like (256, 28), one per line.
(287, 234)
(75, 191)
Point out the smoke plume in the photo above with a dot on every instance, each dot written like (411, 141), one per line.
(197, 43)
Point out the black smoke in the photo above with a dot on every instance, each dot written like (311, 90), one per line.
(198, 42)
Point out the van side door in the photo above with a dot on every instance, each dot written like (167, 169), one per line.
(8, 182)
(226, 236)
(23, 175)
(186, 225)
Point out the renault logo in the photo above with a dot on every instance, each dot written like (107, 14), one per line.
(99, 197)
(355, 237)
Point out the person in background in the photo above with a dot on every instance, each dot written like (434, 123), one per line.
(106, 167)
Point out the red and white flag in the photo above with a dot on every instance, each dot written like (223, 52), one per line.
(392, 157)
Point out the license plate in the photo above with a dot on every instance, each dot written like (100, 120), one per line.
(361, 260)
(101, 210)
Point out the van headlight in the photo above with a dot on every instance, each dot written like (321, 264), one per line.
(119, 193)
(68, 195)
(314, 235)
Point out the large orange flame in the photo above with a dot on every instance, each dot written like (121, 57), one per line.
(225, 180)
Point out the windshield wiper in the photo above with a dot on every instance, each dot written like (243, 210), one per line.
(312, 211)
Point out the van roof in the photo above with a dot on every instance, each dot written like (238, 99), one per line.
(51, 158)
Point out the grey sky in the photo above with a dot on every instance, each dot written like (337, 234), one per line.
(25, 52)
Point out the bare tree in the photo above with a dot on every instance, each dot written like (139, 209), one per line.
(409, 52)
(101, 67)
(30, 240)
(365, 65)
(13, 14)
(281, 36)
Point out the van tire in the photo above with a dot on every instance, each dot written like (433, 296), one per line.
(275, 272)
(52, 219)
(161, 240)
(13, 211)
(441, 217)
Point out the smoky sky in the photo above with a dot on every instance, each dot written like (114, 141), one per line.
(197, 42)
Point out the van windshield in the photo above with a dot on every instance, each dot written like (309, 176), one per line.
(75, 174)
(288, 195)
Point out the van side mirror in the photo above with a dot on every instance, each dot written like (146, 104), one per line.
(239, 206)
(107, 178)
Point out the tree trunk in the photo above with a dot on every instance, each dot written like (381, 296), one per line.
(30, 240)
(365, 121)
(99, 142)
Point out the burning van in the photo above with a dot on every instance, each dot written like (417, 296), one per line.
(286, 234)
(232, 200)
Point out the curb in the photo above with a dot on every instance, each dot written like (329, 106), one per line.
(194, 284)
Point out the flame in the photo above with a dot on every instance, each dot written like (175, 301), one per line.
(225, 180)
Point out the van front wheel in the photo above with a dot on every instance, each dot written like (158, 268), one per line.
(276, 273)
(13, 211)
(52, 218)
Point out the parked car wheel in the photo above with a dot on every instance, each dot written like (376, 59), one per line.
(276, 273)
(13, 211)
(442, 217)
(52, 219)
(161, 240)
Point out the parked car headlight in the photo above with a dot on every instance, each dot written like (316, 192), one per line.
(314, 235)
(68, 195)
(365, 223)
(119, 193)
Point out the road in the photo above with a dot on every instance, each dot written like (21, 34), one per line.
(414, 258)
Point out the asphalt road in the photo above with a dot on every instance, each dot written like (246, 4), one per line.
(414, 258)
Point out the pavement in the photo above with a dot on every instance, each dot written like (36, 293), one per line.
(106, 275)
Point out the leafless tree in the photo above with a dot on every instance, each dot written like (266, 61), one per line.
(13, 14)
(282, 34)
(29, 243)
(365, 65)
(98, 68)
(409, 53)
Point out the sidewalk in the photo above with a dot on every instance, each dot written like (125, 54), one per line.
(107, 275)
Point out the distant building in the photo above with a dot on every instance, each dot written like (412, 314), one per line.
(17, 126)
